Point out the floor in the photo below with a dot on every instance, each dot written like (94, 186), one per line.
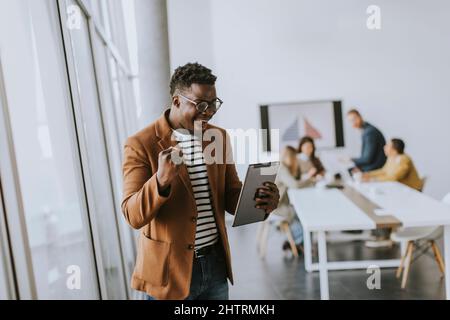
(281, 276)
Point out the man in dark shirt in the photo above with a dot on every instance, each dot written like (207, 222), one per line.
(372, 158)
(372, 155)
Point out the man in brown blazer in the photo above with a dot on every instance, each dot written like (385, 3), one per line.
(176, 191)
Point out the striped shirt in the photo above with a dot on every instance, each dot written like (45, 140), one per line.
(206, 232)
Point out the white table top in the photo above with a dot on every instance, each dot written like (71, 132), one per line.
(328, 209)
(412, 208)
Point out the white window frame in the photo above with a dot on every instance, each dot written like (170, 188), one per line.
(8, 287)
(14, 216)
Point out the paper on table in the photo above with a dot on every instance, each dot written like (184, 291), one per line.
(382, 212)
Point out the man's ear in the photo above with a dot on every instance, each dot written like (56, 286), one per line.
(176, 101)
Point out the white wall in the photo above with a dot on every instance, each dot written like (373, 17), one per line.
(190, 32)
(291, 50)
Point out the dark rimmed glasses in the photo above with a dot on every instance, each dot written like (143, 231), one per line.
(203, 106)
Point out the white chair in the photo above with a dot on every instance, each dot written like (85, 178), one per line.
(263, 234)
(421, 238)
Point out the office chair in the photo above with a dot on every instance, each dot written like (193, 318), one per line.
(263, 235)
(421, 238)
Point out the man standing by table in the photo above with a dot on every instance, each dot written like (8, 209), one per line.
(372, 155)
(372, 158)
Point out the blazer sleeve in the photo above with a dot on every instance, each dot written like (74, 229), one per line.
(377, 173)
(369, 150)
(141, 198)
(233, 185)
(398, 172)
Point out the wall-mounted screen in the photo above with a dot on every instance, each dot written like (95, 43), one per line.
(321, 120)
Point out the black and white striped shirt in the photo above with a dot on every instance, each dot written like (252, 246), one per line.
(206, 231)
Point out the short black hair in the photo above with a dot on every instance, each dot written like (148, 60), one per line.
(398, 145)
(190, 73)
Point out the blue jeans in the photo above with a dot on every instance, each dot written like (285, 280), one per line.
(209, 277)
(297, 230)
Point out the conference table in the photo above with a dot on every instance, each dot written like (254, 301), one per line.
(364, 206)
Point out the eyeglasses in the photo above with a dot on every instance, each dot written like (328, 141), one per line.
(203, 106)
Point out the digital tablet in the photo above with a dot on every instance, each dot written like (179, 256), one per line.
(257, 174)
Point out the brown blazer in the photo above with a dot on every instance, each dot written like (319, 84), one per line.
(165, 248)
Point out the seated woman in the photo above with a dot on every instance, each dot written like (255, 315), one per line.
(296, 172)
(399, 167)
(311, 167)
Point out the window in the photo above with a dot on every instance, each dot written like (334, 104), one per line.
(91, 128)
(46, 150)
(70, 107)
(111, 106)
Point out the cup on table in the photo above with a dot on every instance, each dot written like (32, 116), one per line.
(374, 191)
(357, 176)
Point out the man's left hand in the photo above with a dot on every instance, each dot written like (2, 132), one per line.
(270, 197)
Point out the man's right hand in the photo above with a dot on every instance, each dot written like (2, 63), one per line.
(169, 162)
(356, 170)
